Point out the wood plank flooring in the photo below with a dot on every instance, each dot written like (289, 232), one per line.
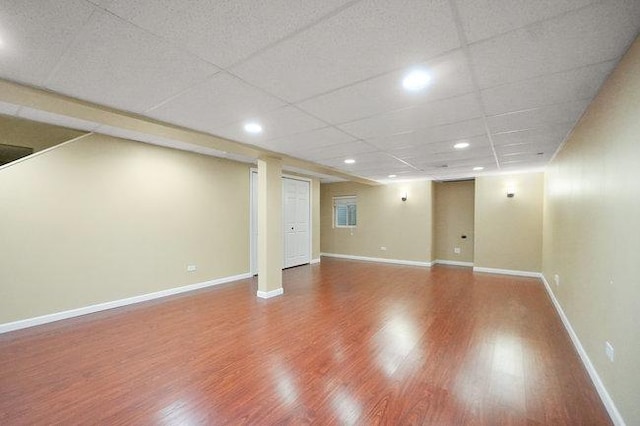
(348, 343)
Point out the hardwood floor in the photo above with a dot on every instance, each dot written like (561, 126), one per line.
(348, 343)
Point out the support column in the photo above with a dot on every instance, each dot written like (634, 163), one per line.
(270, 227)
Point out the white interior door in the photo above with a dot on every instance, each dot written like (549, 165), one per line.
(296, 196)
(296, 221)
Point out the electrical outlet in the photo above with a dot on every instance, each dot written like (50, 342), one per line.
(456, 250)
(383, 248)
(191, 268)
(556, 278)
(609, 351)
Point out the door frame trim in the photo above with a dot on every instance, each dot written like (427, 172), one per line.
(253, 263)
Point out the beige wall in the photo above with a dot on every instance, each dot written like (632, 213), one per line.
(101, 219)
(270, 235)
(592, 232)
(453, 217)
(384, 220)
(508, 231)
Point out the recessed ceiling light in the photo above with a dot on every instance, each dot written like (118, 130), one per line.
(392, 176)
(477, 169)
(416, 80)
(349, 161)
(461, 145)
(253, 128)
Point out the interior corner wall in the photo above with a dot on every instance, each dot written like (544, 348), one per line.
(508, 231)
(453, 218)
(592, 232)
(383, 220)
(101, 219)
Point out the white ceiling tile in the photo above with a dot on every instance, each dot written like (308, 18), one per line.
(116, 64)
(597, 33)
(486, 18)
(566, 112)
(342, 61)
(436, 113)
(339, 152)
(449, 77)
(308, 141)
(581, 83)
(446, 148)
(57, 119)
(553, 134)
(445, 133)
(223, 32)
(369, 162)
(365, 40)
(35, 35)
(526, 149)
(444, 165)
(524, 165)
(276, 124)
(221, 100)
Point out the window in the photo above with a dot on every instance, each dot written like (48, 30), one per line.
(344, 212)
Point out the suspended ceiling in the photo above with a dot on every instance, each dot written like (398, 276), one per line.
(324, 78)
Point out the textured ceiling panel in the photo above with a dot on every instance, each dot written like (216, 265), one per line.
(277, 123)
(367, 39)
(436, 113)
(597, 33)
(486, 18)
(116, 64)
(221, 100)
(449, 77)
(223, 32)
(324, 79)
(35, 35)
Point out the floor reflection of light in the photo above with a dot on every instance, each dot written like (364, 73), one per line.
(179, 413)
(346, 407)
(394, 342)
(507, 372)
(507, 355)
(285, 385)
(471, 380)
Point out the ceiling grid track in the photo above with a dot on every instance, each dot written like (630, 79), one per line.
(464, 45)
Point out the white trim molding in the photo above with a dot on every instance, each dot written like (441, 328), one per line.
(378, 259)
(57, 316)
(451, 262)
(508, 272)
(270, 294)
(317, 260)
(615, 415)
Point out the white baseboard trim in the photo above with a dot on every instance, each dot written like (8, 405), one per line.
(378, 259)
(315, 261)
(451, 262)
(270, 294)
(44, 319)
(615, 415)
(507, 272)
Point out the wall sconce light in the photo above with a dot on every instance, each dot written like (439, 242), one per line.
(404, 197)
(511, 191)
